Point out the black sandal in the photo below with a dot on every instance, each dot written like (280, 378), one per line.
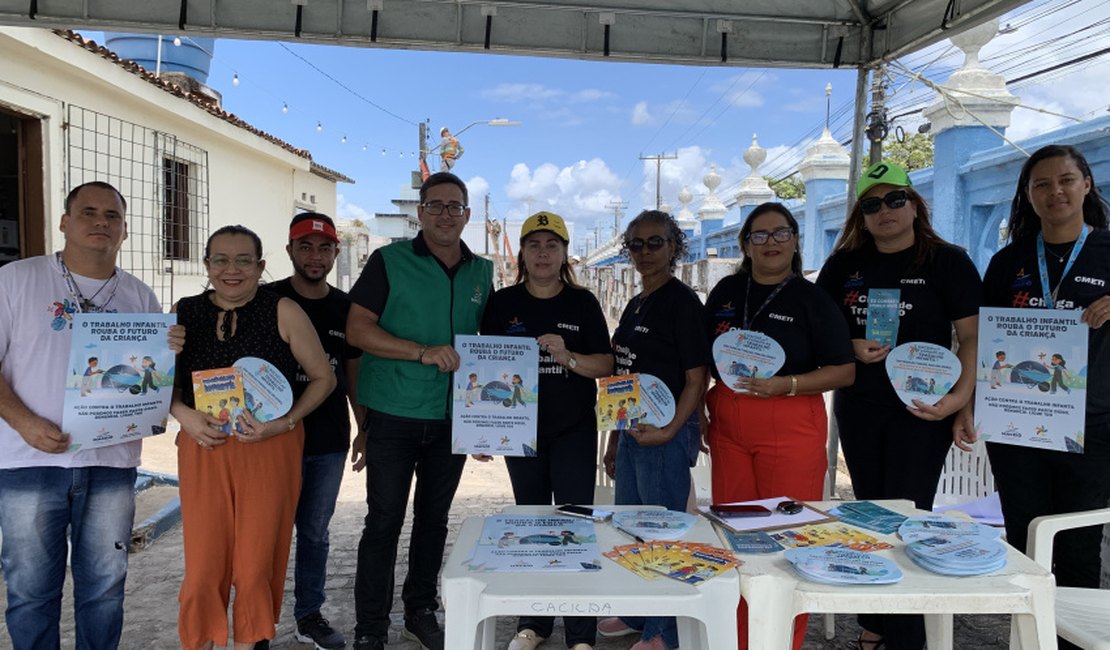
(868, 644)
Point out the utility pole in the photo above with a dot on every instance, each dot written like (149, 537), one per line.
(486, 225)
(618, 211)
(658, 173)
(877, 118)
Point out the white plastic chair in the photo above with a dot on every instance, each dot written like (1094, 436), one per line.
(1082, 615)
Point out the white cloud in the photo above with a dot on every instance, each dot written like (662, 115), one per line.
(640, 114)
(520, 92)
(580, 192)
(348, 210)
(743, 90)
(477, 188)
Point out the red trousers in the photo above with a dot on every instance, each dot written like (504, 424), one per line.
(763, 448)
(238, 501)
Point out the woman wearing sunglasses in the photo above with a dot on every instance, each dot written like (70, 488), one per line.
(661, 332)
(894, 451)
(1061, 248)
(239, 492)
(566, 320)
(767, 437)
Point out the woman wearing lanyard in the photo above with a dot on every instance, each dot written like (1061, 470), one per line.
(770, 440)
(1058, 227)
(662, 333)
(566, 320)
(894, 451)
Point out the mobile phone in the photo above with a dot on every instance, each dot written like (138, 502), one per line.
(585, 512)
(739, 510)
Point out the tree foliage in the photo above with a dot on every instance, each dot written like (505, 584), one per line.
(915, 153)
(790, 187)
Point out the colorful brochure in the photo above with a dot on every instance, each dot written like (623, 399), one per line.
(544, 543)
(871, 516)
(833, 533)
(922, 371)
(883, 313)
(750, 543)
(1031, 379)
(219, 393)
(495, 406)
(119, 382)
(689, 562)
(627, 400)
(746, 354)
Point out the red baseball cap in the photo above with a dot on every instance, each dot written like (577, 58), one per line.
(313, 226)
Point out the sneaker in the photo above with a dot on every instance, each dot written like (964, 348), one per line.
(656, 643)
(423, 628)
(369, 643)
(614, 626)
(314, 628)
(525, 640)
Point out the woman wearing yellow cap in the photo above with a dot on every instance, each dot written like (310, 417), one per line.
(566, 320)
(894, 451)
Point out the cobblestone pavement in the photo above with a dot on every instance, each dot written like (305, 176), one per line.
(155, 575)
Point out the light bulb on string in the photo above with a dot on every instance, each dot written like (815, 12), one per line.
(343, 140)
(383, 151)
(235, 80)
(319, 128)
(284, 107)
(401, 154)
(364, 147)
(177, 41)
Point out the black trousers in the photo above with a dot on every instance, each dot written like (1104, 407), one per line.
(892, 454)
(563, 471)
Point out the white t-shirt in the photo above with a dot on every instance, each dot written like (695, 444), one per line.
(36, 309)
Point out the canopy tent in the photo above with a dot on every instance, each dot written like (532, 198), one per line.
(786, 33)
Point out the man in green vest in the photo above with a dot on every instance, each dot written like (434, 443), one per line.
(411, 299)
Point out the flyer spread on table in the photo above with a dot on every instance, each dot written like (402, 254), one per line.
(1031, 380)
(547, 543)
(496, 398)
(119, 382)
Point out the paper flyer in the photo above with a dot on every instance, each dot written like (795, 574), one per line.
(745, 353)
(627, 400)
(1031, 378)
(119, 383)
(922, 371)
(883, 313)
(495, 404)
(545, 543)
(655, 524)
(833, 533)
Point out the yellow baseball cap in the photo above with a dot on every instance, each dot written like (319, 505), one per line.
(548, 221)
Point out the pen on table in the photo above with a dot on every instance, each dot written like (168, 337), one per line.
(632, 535)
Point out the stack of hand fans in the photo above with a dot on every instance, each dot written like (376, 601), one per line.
(953, 547)
(843, 566)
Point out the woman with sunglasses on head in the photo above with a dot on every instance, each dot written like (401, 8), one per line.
(1058, 258)
(239, 492)
(894, 451)
(566, 320)
(662, 333)
(767, 437)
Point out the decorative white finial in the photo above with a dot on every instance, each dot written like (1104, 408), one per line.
(684, 197)
(755, 155)
(973, 40)
(712, 179)
(973, 95)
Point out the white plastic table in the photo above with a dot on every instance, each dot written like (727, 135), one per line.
(472, 599)
(775, 594)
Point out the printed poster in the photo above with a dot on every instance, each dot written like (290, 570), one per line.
(119, 383)
(883, 311)
(495, 404)
(746, 354)
(1031, 379)
(546, 543)
(624, 401)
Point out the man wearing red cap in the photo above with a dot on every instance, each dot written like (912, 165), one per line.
(313, 247)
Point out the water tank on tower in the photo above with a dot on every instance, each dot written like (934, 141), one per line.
(193, 57)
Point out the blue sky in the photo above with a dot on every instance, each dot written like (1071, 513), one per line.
(585, 123)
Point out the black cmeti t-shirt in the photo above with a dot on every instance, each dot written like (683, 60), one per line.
(567, 399)
(328, 428)
(801, 318)
(1013, 280)
(944, 289)
(663, 335)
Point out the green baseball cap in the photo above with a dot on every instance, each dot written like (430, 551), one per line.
(883, 172)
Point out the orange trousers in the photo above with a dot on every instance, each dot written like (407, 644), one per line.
(238, 501)
(763, 448)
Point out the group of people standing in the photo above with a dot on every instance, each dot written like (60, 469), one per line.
(387, 351)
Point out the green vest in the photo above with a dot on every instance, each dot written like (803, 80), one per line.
(427, 306)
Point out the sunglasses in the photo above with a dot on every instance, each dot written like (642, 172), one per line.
(761, 237)
(893, 200)
(653, 243)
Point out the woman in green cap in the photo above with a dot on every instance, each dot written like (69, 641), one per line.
(894, 451)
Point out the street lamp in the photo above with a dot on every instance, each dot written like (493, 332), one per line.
(497, 121)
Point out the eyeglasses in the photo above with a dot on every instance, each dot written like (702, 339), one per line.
(893, 200)
(761, 237)
(436, 208)
(222, 262)
(653, 243)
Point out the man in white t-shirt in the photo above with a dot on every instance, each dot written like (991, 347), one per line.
(50, 499)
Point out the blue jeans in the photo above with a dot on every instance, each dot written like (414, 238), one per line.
(656, 476)
(321, 476)
(396, 450)
(38, 507)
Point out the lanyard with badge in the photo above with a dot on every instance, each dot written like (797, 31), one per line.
(85, 304)
(1049, 295)
(766, 301)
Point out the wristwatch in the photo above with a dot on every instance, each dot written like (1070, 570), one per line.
(572, 363)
